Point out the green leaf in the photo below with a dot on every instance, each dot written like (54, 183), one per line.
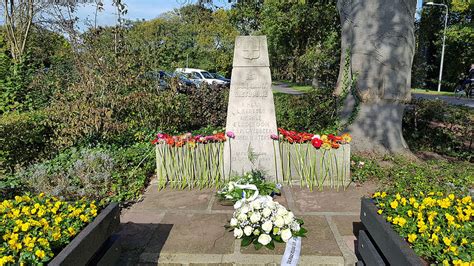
(277, 238)
(271, 245)
(246, 240)
(257, 245)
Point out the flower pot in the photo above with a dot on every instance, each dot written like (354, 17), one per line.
(379, 244)
(95, 244)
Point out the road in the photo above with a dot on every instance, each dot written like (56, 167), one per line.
(448, 99)
(284, 88)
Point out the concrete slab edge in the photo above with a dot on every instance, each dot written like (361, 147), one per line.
(349, 256)
(237, 259)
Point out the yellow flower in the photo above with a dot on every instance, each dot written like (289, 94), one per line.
(379, 211)
(451, 196)
(326, 146)
(389, 218)
(402, 221)
(412, 200)
(376, 194)
(25, 227)
(324, 137)
(71, 231)
(416, 205)
(434, 238)
(383, 195)
(18, 199)
(403, 201)
(56, 235)
(463, 241)
(58, 220)
(466, 200)
(40, 253)
(394, 204)
(410, 213)
(454, 250)
(43, 241)
(447, 241)
(412, 238)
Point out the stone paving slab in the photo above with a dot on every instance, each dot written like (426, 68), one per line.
(330, 200)
(194, 234)
(186, 227)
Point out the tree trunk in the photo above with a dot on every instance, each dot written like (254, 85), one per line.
(379, 36)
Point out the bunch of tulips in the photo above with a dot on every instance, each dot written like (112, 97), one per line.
(314, 160)
(189, 139)
(191, 161)
(326, 142)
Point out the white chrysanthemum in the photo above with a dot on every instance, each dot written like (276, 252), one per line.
(264, 239)
(238, 233)
(286, 234)
(282, 211)
(233, 222)
(279, 222)
(244, 209)
(289, 217)
(267, 226)
(266, 212)
(242, 217)
(248, 230)
(256, 205)
(255, 217)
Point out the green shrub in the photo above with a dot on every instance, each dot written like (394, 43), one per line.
(434, 125)
(24, 138)
(103, 173)
(315, 111)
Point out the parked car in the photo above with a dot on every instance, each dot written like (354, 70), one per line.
(199, 75)
(220, 77)
(158, 78)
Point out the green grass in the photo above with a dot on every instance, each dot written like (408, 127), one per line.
(295, 86)
(430, 92)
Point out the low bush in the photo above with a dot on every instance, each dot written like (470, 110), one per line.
(24, 138)
(315, 111)
(104, 173)
(35, 229)
(434, 125)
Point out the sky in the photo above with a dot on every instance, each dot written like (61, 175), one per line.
(144, 9)
(136, 9)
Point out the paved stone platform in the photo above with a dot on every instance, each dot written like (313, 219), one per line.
(186, 227)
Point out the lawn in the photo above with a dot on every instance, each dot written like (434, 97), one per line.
(430, 92)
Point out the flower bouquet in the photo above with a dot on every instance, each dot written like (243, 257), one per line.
(237, 188)
(315, 160)
(190, 161)
(263, 222)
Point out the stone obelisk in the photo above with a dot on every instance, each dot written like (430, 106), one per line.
(251, 111)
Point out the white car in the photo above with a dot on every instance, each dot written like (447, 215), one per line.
(199, 75)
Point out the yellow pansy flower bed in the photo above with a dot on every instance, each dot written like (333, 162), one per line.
(438, 226)
(35, 228)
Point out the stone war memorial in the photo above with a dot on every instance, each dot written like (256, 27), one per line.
(251, 111)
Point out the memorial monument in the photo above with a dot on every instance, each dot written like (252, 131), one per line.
(251, 111)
